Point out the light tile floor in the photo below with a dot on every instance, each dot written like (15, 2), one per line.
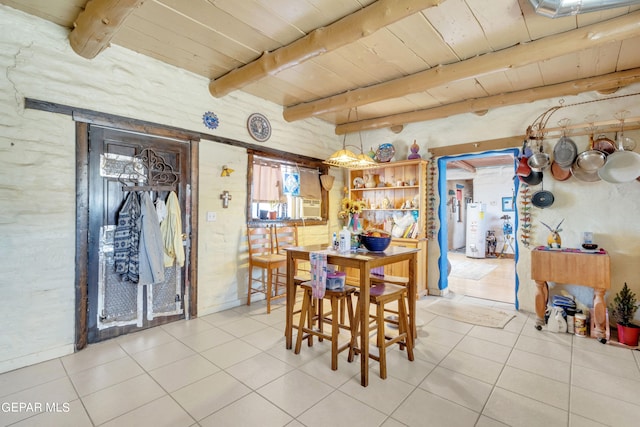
(498, 285)
(232, 369)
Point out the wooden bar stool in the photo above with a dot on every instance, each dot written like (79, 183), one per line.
(396, 280)
(381, 294)
(306, 328)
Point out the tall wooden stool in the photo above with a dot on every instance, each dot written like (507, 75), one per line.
(396, 280)
(381, 294)
(306, 328)
(260, 242)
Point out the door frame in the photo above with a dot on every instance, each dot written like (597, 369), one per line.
(83, 123)
(443, 241)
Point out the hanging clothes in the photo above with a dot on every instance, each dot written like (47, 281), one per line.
(161, 210)
(151, 257)
(171, 229)
(126, 239)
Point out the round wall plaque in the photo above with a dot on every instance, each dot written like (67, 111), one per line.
(210, 120)
(259, 127)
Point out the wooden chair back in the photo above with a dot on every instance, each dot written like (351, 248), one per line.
(285, 236)
(260, 241)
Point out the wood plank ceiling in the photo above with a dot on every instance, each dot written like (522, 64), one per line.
(396, 61)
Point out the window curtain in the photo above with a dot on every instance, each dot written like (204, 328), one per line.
(310, 184)
(266, 182)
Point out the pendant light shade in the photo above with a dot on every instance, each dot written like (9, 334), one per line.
(345, 158)
(342, 158)
(363, 162)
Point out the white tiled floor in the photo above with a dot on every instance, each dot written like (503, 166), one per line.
(232, 369)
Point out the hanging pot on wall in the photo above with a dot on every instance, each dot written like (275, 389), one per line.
(559, 173)
(565, 151)
(586, 166)
(622, 166)
(534, 178)
(542, 198)
(523, 168)
(604, 144)
(539, 161)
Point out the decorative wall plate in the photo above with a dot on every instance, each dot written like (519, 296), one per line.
(210, 120)
(385, 152)
(259, 127)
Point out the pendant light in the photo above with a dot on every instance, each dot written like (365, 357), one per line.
(364, 161)
(346, 158)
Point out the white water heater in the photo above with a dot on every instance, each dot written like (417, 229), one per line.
(476, 230)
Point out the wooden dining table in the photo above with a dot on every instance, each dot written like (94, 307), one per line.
(363, 262)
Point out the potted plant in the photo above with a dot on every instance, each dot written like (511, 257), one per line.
(273, 211)
(622, 310)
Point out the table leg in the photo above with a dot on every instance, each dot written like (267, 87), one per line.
(291, 299)
(542, 297)
(412, 290)
(365, 285)
(599, 314)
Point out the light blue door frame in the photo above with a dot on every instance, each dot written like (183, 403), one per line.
(443, 264)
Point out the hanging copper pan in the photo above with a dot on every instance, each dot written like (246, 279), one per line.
(604, 144)
(559, 173)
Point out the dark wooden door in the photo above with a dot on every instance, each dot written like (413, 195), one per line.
(117, 161)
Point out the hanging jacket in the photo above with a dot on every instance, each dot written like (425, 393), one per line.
(126, 239)
(171, 229)
(151, 244)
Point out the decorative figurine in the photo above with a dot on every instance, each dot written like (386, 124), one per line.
(414, 151)
(492, 243)
(554, 241)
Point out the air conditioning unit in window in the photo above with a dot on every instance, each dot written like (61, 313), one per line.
(311, 209)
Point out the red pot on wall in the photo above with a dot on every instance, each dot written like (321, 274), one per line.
(629, 335)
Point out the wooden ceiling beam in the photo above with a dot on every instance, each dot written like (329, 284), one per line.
(322, 40)
(478, 146)
(98, 23)
(599, 83)
(461, 164)
(590, 36)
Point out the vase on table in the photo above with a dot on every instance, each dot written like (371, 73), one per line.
(355, 222)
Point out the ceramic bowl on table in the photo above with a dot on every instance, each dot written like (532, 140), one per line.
(374, 243)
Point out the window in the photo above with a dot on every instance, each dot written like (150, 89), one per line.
(285, 189)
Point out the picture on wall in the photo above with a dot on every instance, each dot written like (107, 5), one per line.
(507, 204)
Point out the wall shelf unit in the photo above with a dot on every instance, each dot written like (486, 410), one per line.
(392, 190)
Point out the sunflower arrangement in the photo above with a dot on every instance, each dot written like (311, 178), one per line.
(350, 207)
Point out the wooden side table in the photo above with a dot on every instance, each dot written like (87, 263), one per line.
(568, 267)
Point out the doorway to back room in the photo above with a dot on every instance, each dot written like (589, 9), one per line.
(478, 248)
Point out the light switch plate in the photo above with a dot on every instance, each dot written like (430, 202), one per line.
(211, 216)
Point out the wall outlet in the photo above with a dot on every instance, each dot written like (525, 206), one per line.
(211, 216)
